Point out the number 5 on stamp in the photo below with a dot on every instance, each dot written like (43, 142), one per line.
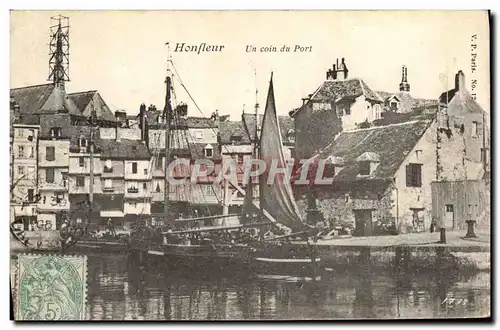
(50, 287)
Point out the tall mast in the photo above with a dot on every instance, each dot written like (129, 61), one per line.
(167, 112)
(91, 151)
(256, 116)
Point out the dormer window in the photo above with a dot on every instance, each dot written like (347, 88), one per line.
(208, 151)
(364, 168)
(235, 138)
(394, 106)
(368, 163)
(55, 132)
(333, 166)
(82, 142)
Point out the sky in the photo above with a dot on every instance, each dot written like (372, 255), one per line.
(122, 54)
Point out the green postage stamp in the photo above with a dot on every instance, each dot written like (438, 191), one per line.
(50, 287)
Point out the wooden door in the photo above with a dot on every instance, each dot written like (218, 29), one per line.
(449, 217)
(363, 223)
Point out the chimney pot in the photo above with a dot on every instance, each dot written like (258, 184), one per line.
(460, 81)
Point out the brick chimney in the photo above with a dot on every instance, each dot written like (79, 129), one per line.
(142, 125)
(460, 81)
(404, 86)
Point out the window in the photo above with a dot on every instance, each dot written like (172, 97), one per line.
(20, 170)
(144, 185)
(31, 153)
(145, 171)
(49, 175)
(20, 132)
(31, 195)
(394, 106)
(475, 129)
(80, 181)
(347, 109)
(484, 155)
(209, 151)
(83, 142)
(158, 189)
(364, 167)
(20, 151)
(81, 161)
(414, 175)
(418, 154)
(108, 184)
(31, 172)
(134, 167)
(108, 166)
(449, 208)
(55, 132)
(31, 135)
(50, 154)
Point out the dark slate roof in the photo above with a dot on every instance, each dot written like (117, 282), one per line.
(200, 122)
(460, 103)
(44, 98)
(332, 91)
(392, 143)
(407, 101)
(227, 129)
(62, 120)
(123, 149)
(83, 131)
(82, 100)
(447, 96)
(32, 98)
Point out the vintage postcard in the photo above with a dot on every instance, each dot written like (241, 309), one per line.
(250, 165)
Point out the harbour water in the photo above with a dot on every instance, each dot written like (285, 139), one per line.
(120, 289)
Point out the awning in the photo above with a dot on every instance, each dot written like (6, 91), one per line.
(112, 214)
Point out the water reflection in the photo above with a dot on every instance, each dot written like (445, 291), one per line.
(120, 289)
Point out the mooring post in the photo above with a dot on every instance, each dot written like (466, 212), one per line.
(442, 233)
(470, 229)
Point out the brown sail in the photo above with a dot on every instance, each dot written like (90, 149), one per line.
(276, 198)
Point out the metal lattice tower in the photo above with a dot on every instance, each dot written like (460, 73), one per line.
(59, 50)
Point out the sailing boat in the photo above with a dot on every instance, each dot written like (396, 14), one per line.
(277, 203)
(217, 245)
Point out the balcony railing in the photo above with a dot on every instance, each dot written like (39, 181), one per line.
(108, 189)
(133, 190)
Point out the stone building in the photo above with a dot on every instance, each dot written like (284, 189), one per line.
(462, 186)
(341, 103)
(380, 174)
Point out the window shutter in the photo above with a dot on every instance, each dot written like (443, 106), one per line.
(408, 175)
(418, 174)
(49, 175)
(50, 154)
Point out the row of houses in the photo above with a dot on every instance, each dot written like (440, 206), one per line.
(51, 160)
(394, 158)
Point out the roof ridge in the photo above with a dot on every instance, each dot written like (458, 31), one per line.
(30, 86)
(84, 92)
(363, 87)
(388, 125)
